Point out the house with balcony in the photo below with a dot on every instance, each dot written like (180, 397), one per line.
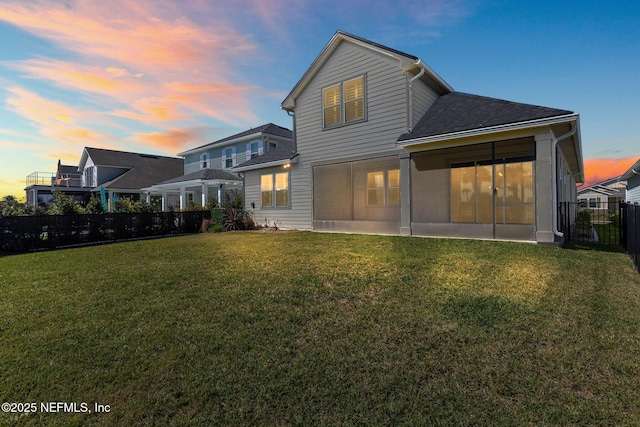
(103, 173)
(41, 185)
(383, 144)
(208, 172)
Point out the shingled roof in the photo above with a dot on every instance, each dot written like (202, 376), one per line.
(143, 170)
(267, 129)
(279, 154)
(204, 175)
(457, 112)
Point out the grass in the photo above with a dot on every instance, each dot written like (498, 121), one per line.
(321, 329)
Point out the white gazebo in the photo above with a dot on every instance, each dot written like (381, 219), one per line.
(196, 188)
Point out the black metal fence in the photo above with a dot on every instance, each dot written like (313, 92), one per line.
(591, 222)
(31, 233)
(631, 231)
(603, 223)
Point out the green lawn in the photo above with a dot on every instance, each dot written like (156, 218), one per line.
(282, 329)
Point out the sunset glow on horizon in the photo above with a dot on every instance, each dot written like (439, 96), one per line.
(164, 76)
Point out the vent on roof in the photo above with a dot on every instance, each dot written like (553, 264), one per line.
(149, 156)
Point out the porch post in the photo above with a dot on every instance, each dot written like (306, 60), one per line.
(183, 196)
(164, 200)
(220, 192)
(204, 195)
(545, 181)
(405, 193)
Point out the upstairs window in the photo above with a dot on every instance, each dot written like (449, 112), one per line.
(89, 176)
(343, 103)
(254, 149)
(204, 161)
(228, 157)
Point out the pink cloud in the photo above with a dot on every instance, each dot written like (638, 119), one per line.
(59, 122)
(597, 170)
(172, 140)
(133, 58)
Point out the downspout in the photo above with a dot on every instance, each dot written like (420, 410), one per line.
(554, 163)
(414, 78)
(294, 148)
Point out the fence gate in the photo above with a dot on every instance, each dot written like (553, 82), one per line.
(595, 223)
(602, 223)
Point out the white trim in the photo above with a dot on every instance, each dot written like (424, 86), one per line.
(266, 165)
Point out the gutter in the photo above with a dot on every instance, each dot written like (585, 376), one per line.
(294, 147)
(554, 165)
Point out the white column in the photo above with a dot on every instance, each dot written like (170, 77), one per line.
(183, 197)
(204, 195)
(110, 201)
(220, 193)
(164, 201)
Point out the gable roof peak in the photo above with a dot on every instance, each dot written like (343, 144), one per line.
(408, 62)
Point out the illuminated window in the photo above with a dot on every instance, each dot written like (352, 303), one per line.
(274, 189)
(344, 102)
(383, 188)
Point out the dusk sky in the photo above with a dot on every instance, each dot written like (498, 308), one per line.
(161, 77)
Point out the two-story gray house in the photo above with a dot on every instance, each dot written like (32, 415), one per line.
(209, 169)
(383, 144)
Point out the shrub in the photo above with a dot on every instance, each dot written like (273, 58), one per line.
(216, 228)
(63, 204)
(232, 219)
(233, 203)
(95, 206)
(584, 217)
(248, 224)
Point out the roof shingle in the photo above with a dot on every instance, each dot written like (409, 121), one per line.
(457, 112)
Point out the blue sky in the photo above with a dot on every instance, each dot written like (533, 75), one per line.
(165, 76)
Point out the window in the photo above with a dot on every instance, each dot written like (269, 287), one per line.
(204, 161)
(383, 188)
(228, 157)
(274, 189)
(272, 146)
(343, 103)
(254, 150)
(89, 176)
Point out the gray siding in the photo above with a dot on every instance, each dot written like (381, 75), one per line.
(386, 110)
(423, 97)
(192, 161)
(633, 189)
(297, 215)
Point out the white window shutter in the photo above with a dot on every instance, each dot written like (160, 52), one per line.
(260, 147)
(248, 152)
(233, 156)
(224, 159)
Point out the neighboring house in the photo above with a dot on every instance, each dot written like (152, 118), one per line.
(632, 176)
(41, 185)
(605, 195)
(383, 144)
(122, 173)
(209, 170)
